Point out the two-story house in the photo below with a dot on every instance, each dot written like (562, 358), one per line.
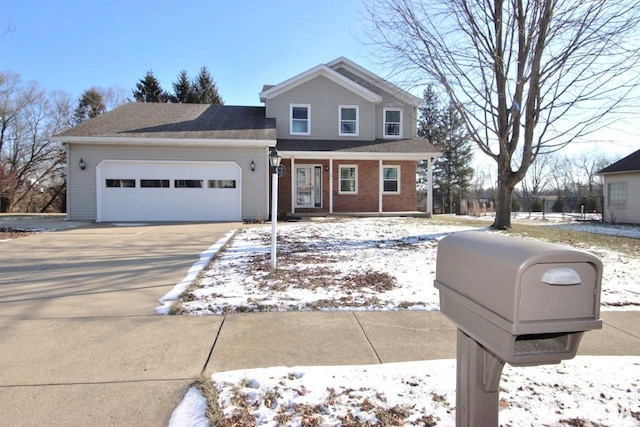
(347, 138)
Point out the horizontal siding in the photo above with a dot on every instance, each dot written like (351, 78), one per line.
(631, 213)
(82, 183)
(324, 96)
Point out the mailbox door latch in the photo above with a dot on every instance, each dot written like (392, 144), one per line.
(561, 276)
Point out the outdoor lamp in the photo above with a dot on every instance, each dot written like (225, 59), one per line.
(274, 160)
(82, 164)
(253, 166)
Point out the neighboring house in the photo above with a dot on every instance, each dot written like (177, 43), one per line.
(622, 190)
(347, 138)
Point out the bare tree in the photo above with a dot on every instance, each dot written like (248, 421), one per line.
(526, 76)
(30, 162)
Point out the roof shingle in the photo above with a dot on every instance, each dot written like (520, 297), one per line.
(631, 163)
(186, 121)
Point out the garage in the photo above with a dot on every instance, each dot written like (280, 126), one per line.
(134, 190)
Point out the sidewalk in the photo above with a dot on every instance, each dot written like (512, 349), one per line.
(254, 340)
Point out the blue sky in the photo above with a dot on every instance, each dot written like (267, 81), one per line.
(73, 45)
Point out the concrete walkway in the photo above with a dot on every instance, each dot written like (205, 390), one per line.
(80, 343)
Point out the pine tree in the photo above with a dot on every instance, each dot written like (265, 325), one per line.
(90, 105)
(148, 89)
(205, 88)
(183, 89)
(452, 172)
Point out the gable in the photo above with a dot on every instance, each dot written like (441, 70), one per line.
(371, 81)
(320, 70)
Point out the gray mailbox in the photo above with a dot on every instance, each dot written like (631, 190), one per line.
(513, 300)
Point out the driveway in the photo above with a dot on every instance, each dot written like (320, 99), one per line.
(80, 341)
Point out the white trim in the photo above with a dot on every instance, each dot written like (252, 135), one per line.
(313, 167)
(385, 166)
(357, 130)
(291, 107)
(320, 70)
(330, 186)
(345, 155)
(384, 123)
(377, 80)
(293, 185)
(340, 179)
(113, 140)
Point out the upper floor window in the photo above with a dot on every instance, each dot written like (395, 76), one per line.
(300, 119)
(392, 123)
(348, 120)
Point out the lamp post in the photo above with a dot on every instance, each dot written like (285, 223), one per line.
(274, 161)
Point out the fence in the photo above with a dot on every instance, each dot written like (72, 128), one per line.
(579, 208)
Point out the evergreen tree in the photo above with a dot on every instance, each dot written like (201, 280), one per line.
(91, 104)
(183, 89)
(205, 88)
(452, 172)
(148, 89)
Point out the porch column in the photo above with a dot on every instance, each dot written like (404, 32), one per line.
(430, 186)
(293, 185)
(380, 186)
(330, 186)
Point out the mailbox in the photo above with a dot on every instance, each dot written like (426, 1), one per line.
(526, 301)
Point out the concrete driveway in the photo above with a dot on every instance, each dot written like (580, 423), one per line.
(80, 343)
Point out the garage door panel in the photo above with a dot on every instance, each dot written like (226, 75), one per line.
(164, 191)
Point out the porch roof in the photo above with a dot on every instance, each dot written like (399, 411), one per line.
(415, 148)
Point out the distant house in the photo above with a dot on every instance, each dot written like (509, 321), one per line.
(622, 190)
(347, 138)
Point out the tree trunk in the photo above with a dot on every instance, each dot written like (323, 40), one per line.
(503, 204)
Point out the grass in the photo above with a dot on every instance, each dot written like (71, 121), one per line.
(550, 232)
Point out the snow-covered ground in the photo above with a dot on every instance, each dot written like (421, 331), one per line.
(389, 264)
(356, 264)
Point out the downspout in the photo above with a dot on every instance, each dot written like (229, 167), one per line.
(380, 186)
(331, 185)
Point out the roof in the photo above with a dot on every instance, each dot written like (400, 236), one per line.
(176, 121)
(631, 163)
(319, 70)
(371, 81)
(416, 148)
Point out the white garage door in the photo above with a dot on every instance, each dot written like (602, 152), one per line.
(168, 191)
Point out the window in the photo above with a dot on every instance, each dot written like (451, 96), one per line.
(348, 180)
(188, 183)
(222, 183)
(392, 123)
(391, 179)
(121, 183)
(617, 195)
(154, 183)
(348, 125)
(300, 119)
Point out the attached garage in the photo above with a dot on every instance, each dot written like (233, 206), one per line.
(149, 161)
(168, 191)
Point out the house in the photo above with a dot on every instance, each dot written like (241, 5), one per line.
(347, 138)
(622, 190)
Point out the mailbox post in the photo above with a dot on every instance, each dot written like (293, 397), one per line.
(515, 301)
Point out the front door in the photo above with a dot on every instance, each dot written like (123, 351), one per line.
(308, 186)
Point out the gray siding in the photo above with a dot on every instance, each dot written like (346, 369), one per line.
(82, 183)
(631, 213)
(324, 96)
(389, 100)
